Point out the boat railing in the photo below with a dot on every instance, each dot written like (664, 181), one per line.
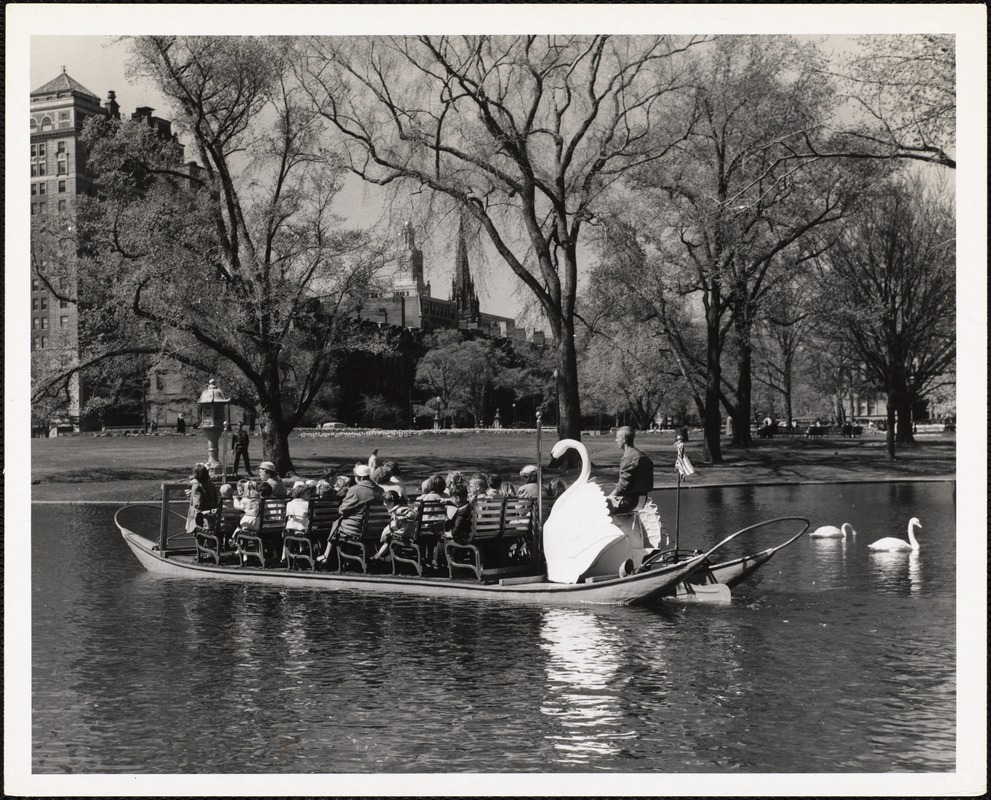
(172, 536)
(674, 554)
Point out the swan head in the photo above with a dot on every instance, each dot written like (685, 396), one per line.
(848, 529)
(914, 523)
(561, 447)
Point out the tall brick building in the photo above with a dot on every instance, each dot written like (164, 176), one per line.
(58, 110)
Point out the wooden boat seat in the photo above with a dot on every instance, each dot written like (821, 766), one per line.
(213, 539)
(501, 542)
(423, 530)
(302, 546)
(358, 551)
(264, 546)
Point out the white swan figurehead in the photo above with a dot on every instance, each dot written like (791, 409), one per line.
(832, 532)
(580, 537)
(894, 543)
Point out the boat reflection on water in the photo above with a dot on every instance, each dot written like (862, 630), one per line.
(583, 658)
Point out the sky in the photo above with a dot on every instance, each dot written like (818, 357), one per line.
(41, 38)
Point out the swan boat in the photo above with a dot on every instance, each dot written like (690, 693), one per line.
(589, 558)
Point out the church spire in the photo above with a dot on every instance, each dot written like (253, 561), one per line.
(463, 287)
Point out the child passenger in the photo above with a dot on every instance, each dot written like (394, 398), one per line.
(459, 525)
(399, 511)
(251, 505)
(297, 513)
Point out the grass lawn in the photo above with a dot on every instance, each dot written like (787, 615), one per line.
(132, 467)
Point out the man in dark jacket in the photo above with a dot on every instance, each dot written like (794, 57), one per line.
(636, 475)
(239, 444)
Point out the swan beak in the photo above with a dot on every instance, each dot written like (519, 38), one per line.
(554, 463)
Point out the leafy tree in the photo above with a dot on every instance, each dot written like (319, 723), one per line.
(241, 258)
(728, 216)
(890, 291)
(460, 373)
(523, 133)
(904, 88)
(377, 411)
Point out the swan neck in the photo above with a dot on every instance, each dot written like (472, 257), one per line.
(911, 537)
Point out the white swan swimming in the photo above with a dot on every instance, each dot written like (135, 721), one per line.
(832, 532)
(581, 539)
(893, 543)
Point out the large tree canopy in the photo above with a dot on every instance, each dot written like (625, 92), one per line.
(524, 133)
(889, 297)
(240, 258)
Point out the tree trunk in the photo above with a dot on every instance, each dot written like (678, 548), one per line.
(275, 441)
(889, 436)
(903, 412)
(711, 418)
(569, 411)
(744, 392)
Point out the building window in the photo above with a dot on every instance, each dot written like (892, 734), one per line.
(34, 343)
(63, 321)
(34, 303)
(36, 322)
(42, 168)
(42, 207)
(63, 303)
(34, 150)
(34, 189)
(42, 188)
(60, 147)
(35, 285)
(44, 340)
(61, 186)
(41, 148)
(159, 382)
(46, 123)
(44, 303)
(34, 170)
(44, 323)
(61, 168)
(34, 209)
(63, 115)
(61, 206)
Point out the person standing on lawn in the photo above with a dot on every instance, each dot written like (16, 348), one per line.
(239, 444)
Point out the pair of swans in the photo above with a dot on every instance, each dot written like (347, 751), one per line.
(581, 539)
(888, 543)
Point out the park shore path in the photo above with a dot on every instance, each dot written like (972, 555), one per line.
(118, 469)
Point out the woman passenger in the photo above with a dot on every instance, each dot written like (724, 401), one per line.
(297, 514)
(203, 498)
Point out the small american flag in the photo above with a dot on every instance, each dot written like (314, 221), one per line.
(681, 462)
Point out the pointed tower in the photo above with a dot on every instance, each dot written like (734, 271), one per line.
(409, 273)
(463, 287)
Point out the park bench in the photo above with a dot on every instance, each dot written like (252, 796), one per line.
(358, 550)
(848, 431)
(501, 541)
(303, 547)
(213, 538)
(767, 431)
(265, 545)
(424, 528)
(816, 431)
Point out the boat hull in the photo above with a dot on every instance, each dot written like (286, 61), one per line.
(638, 589)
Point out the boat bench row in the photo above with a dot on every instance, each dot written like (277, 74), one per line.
(501, 541)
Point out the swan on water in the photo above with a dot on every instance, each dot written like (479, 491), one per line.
(580, 537)
(832, 532)
(893, 543)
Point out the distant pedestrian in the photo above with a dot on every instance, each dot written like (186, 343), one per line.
(180, 425)
(154, 426)
(373, 460)
(239, 444)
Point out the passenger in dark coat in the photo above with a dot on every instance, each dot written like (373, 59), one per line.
(357, 499)
(636, 475)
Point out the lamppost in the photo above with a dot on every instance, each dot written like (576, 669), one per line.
(512, 420)
(437, 414)
(214, 406)
(557, 401)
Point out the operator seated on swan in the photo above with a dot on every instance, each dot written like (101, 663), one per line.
(636, 476)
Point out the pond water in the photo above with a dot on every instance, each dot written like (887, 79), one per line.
(830, 659)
